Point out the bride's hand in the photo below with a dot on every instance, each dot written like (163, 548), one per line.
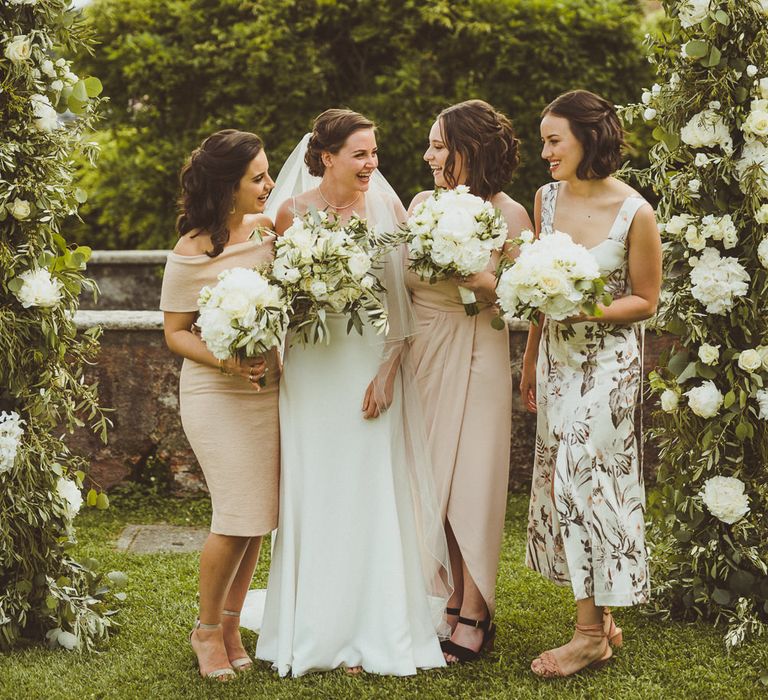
(378, 399)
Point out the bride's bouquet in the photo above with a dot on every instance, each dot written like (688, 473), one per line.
(553, 276)
(453, 232)
(242, 315)
(323, 265)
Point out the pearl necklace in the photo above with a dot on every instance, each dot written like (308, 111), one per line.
(333, 206)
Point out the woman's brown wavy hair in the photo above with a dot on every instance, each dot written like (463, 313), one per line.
(486, 142)
(209, 180)
(330, 131)
(594, 122)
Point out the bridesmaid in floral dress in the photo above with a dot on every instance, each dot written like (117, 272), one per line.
(583, 376)
(462, 372)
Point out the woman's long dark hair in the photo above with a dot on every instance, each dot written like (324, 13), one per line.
(486, 142)
(209, 180)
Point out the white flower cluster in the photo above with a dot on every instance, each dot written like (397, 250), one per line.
(708, 129)
(717, 228)
(19, 209)
(762, 401)
(38, 288)
(724, 497)
(754, 154)
(552, 275)
(717, 281)
(762, 252)
(323, 265)
(705, 400)
(243, 312)
(45, 116)
(756, 123)
(70, 494)
(10, 437)
(693, 12)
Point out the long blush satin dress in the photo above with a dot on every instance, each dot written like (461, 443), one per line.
(232, 428)
(462, 371)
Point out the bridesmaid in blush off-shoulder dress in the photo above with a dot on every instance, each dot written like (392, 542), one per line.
(463, 375)
(230, 421)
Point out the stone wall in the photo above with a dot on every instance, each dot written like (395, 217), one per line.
(138, 379)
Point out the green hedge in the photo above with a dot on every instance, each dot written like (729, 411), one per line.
(178, 71)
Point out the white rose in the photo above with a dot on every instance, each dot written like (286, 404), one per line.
(57, 86)
(47, 68)
(20, 209)
(318, 288)
(70, 78)
(18, 50)
(762, 252)
(694, 185)
(669, 400)
(45, 117)
(751, 70)
(528, 236)
(693, 12)
(750, 360)
(756, 122)
(761, 215)
(762, 402)
(709, 354)
(39, 289)
(694, 238)
(71, 495)
(359, 264)
(678, 223)
(456, 224)
(701, 160)
(11, 433)
(649, 114)
(716, 281)
(705, 400)
(707, 129)
(725, 498)
(647, 97)
(762, 86)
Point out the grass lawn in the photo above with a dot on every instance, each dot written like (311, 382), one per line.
(150, 657)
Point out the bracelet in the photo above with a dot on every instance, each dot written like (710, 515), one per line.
(223, 369)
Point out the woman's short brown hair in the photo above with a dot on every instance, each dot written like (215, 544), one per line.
(209, 180)
(330, 132)
(594, 122)
(486, 142)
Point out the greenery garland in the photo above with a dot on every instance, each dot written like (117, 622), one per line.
(45, 110)
(709, 114)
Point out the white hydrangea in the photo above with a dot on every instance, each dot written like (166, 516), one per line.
(724, 497)
(756, 123)
(709, 354)
(669, 400)
(754, 154)
(761, 215)
(762, 252)
(762, 402)
(45, 117)
(705, 400)
(39, 289)
(71, 496)
(707, 129)
(717, 281)
(18, 50)
(692, 12)
(10, 438)
(720, 228)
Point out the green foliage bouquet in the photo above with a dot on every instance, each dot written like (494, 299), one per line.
(43, 592)
(709, 113)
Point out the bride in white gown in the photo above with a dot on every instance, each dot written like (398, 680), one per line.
(359, 573)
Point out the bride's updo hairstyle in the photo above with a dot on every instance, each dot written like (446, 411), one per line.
(330, 132)
(594, 122)
(209, 180)
(486, 142)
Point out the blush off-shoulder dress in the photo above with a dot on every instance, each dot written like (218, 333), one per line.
(232, 428)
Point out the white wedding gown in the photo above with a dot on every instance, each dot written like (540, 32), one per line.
(350, 575)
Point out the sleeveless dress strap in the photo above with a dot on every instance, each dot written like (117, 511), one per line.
(548, 200)
(624, 218)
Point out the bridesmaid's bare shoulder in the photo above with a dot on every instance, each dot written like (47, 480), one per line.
(194, 242)
(513, 212)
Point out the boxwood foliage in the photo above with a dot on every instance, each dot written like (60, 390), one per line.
(176, 72)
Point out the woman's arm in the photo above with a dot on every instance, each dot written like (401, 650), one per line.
(645, 265)
(177, 328)
(531, 354)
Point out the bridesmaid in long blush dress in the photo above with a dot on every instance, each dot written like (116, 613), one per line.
(462, 371)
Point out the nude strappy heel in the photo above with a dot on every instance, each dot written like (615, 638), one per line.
(547, 665)
(614, 633)
(222, 675)
(244, 663)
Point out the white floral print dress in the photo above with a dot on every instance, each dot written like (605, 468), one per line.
(586, 518)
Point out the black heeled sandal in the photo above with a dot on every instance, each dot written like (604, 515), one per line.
(465, 654)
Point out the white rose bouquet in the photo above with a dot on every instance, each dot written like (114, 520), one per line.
(553, 276)
(453, 232)
(242, 315)
(323, 265)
